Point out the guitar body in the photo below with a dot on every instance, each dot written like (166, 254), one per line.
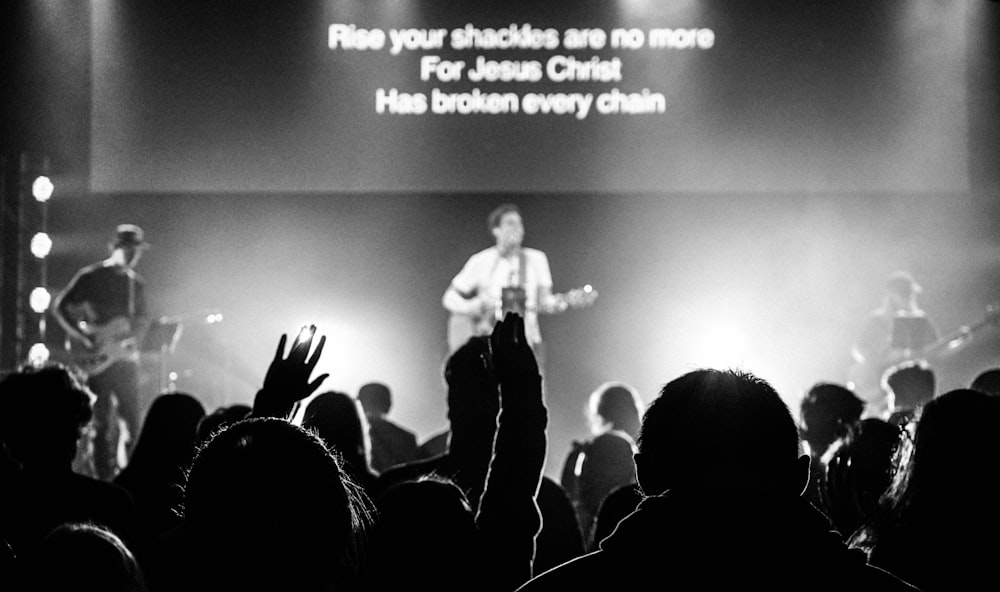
(114, 341)
(462, 327)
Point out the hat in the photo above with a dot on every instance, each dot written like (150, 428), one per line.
(901, 282)
(129, 235)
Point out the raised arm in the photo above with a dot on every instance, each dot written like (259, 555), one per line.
(287, 379)
(508, 518)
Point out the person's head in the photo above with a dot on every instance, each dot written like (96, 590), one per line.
(221, 418)
(988, 381)
(43, 411)
(616, 406)
(128, 242)
(338, 419)
(376, 399)
(950, 462)
(826, 411)
(857, 470)
(720, 430)
(169, 435)
(424, 523)
(506, 225)
(257, 495)
(79, 556)
(909, 385)
(901, 290)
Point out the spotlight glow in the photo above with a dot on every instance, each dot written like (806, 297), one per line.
(41, 245)
(42, 188)
(38, 355)
(40, 300)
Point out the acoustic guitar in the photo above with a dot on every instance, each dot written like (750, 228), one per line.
(461, 327)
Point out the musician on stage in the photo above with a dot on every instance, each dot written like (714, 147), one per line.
(103, 310)
(896, 332)
(506, 276)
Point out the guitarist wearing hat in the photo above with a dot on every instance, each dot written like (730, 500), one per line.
(506, 277)
(103, 311)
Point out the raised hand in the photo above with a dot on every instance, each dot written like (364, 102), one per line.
(287, 379)
(511, 357)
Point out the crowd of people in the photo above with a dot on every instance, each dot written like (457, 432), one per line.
(714, 484)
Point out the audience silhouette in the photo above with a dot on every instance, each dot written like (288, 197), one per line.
(81, 557)
(909, 386)
(338, 420)
(938, 524)
(42, 414)
(857, 470)
(987, 381)
(719, 463)
(473, 404)
(391, 443)
(595, 467)
(222, 417)
(826, 412)
(154, 476)
(710, 488)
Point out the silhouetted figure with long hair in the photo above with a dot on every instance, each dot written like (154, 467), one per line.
(155, 474)
(940, 519)
(338, 420)
(857, 470)
(473, 405)
(268, 507)
(43, 411)
(826, 412)
(391, 443)
(719, 462)
(81, 557)
(593, 468)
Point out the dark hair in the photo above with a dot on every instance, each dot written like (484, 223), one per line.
(911, 383)
(375, 397)
(336, 417)
(240, 495)
(949, 461)
(709, 422)
(826, 411)
(79, 554)
(616, 404)
(988, 381)
(493, 220)
(51, 395)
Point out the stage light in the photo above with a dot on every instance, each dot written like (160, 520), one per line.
(40, 300)
(42, 188)
(213, 318)
(38, 355)
(41, 245)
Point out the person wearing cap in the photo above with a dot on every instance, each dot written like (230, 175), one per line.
(897, 332)
(103, 312)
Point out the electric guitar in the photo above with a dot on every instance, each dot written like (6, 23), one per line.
(461, 326)
(114, 341)
(865, 376)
